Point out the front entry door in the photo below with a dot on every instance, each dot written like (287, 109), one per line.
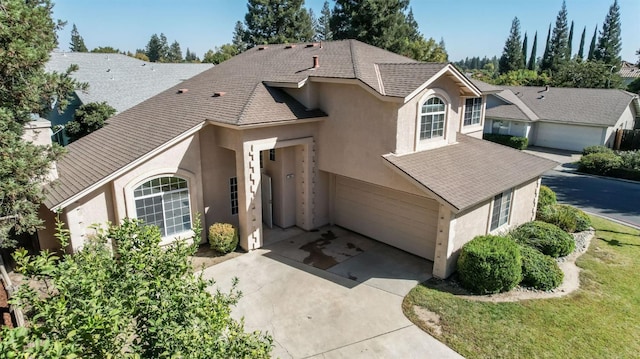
(267, 201)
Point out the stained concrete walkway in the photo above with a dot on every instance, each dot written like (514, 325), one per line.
(331, 294)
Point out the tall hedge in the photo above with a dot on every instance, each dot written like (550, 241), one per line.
(517, 142)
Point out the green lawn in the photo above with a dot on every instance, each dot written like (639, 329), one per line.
(600, 320)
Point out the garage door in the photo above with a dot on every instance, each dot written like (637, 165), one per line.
(403, 220)
(566, 137)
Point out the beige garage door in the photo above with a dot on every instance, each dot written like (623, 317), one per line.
(565, 137)
(402, 220)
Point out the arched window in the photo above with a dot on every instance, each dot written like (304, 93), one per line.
(164, 202)
(432, 116)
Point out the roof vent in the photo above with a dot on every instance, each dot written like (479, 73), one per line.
(262, 47)
(314, 44)
(290, 46)
(541, 97)
(316, 62)
(546, 88)
(219, 94)
(183, 90)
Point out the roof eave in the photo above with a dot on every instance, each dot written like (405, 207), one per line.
(453, 72)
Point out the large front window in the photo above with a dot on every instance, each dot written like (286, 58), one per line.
(472, 111)
(501, 209)
(432, 115)
(164, 202)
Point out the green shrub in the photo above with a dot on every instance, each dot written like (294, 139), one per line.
(630, 159)
(546, 197)
(519, 143)
(539, 271)
(596, 149)
(599, 163)
(625, 173)
(547, 238)
(223, 238)
(490, 264)
(568, 218)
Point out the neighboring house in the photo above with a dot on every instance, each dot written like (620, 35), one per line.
(629, 72)
(119, 80)
(304, 135)
(561, 118)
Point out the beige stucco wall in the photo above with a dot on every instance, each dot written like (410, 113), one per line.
(626, 122)
(96, 208)
(475, 221)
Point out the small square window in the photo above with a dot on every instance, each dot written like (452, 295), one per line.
(272, 154)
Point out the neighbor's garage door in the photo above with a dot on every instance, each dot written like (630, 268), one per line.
(566, 137)
(402, 220)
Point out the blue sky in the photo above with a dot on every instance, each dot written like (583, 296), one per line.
(468, 27)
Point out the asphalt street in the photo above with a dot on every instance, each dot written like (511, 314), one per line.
(612, 198)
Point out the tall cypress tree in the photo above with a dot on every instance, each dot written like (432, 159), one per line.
(558, 44)
(532, 60)
(324, 27)
(546, 54)
(570, 42)
(610, 41)
(592, 47)
(511, 58)
(581, 48)
(77, 42)
(238, 37)
(524, 51)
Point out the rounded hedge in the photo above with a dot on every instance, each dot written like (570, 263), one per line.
(596, 149)
(569, 218)
(599, 163)
(223, 237)
(546, 197)
(539, 271)
(490, 264)
(547, 238)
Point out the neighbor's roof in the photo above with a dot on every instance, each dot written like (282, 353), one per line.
(485, 87)
(629, 70)
(470, 171)
(248, 100)
(122, 81)
(598, 107)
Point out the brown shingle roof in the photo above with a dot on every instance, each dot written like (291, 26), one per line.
(145, 127)
(399, 80)
(470, 171)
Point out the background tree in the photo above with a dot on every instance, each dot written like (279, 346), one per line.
(558, 46)
(88, 118)
(580, 54)
(426, 50)
(323, 29)
(106, 50)
(610, 40)
(511, 58)
(239, 33)
(570, 42)
(27, 37)
(521, 77)
(277, 22)
(157, 48)
(175, 53)
(77, 42)
(588, 74)
(524, 51)
(546, 54)
(221, 54)
(592, 47)
(191, 56)
(532, 60)
(143, 301)
(140, 55)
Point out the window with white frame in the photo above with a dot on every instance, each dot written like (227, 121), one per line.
(501, 209)
(472, 111)
(432, 116)
(233, 190)
(164, 202)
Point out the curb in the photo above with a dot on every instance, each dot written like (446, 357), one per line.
(624, 223)
(597, 176)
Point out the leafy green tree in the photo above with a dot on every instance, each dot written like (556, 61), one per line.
(157, 48)
(532, 60)
(27, 37)
(175, 53)
(522, 77)
(323, 29)
(191, 56)
(610, 40)
(524, 51)
(221, 54)
(592, 47)
(570, 42)
(634, 86)
(580, 54)
(239, 33)
(277, 22)
(587, 74)
(125, 296)
(387, 24)
(106, 50)
(426, 50)
(140, 55)
(558, 46)
(77, 42)
(511, 58)
(88, 118)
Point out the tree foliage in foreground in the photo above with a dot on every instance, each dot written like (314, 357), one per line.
(88, 118)
(132, 299)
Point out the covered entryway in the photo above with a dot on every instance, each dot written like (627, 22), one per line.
(568, 137)
(400, 219)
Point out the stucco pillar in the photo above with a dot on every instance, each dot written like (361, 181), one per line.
(306, 173)
(443, 264)
(249, 201)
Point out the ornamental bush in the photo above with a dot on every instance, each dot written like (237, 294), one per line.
(490, 264)
(223, 238)
(539, 271)
(630, 159)
(599, 163)
(596, 149)
(546, 197)
(569, 218)
(547, 238)
(516, 142)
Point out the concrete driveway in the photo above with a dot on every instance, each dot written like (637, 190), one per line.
(331, 294)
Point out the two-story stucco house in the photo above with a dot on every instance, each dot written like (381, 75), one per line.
(305, 135)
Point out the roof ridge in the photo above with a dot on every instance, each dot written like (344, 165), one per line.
(249, 101)
(356, 69)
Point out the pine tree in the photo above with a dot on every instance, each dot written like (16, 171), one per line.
(570, 42)
(610, 41)
(175, 53)
(524, 51)
(154, 49)
(277, 22)
(77, 42)
(511, 59)
(239, 34)
(323, 30)
(190, 56)
(558, 45)
(546, 54)
(532, 60)
(592, 47)
(581, 48)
